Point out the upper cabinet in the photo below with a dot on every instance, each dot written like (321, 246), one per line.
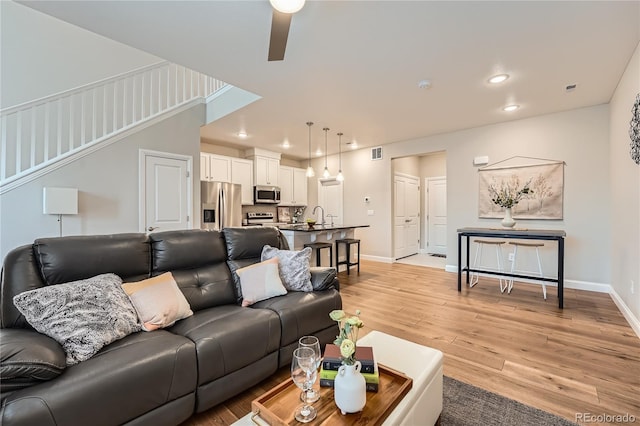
(242, 173)
(266, 166)
(293, 186)
(219, 168)
(266, 171)
(215, 168)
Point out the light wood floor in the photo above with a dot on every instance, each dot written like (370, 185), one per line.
(583, 359)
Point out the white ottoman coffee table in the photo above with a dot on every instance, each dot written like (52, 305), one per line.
(422, 405)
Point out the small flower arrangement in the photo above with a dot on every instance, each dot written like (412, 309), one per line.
(509, 193)
(349, 326)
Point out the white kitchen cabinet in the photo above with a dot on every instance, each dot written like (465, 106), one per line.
(204, 166)
(242, 173)
(300, 187)
(266, 170)
(215, 168)
(293, 186)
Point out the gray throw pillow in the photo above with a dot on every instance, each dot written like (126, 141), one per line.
(294, 267)
(83, 316)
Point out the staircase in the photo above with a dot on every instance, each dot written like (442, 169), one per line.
(42, 135)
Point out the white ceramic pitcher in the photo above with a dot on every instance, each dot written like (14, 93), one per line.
(350, 389)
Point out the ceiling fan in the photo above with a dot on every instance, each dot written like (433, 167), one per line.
(283, 10)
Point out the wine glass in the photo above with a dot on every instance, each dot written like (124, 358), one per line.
(311, 342)
(304, 374)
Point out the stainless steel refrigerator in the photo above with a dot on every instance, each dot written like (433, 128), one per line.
(221, 205)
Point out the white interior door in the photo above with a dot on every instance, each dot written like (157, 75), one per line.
(436, 207)
(406, 215)
(165, 191)
(330, 199)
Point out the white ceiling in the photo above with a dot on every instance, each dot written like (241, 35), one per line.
(354, 66)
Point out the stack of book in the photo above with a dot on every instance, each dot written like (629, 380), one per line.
(332, 362)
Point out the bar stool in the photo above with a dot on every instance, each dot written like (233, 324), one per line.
(347, 242)
(515, 258)
(319, 246)
(475, 276)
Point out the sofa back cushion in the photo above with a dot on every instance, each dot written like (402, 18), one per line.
(19, 274)
(75, 258)
(244, 248)
(197, 260)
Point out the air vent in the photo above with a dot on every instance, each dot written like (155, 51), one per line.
(376, 153)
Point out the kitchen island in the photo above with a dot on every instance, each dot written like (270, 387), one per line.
(299, 234)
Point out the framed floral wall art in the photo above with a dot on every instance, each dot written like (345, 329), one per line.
(533, 191)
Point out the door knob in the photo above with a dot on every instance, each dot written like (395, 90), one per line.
(151, 228)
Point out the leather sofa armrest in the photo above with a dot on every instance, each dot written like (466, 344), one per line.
(28, 358)
(323, 278)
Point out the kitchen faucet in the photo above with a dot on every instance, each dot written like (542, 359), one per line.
(314, 212)
(331, 216)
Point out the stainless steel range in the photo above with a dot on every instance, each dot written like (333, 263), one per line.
(260, 218)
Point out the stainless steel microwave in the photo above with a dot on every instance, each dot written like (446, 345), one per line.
(266, 194)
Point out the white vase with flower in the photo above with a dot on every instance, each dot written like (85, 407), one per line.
(350, 389)
(507, 194)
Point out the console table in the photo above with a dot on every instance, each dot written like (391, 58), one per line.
(522, 234)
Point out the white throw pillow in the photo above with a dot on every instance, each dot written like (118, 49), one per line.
(260, 281)
(295, 271)
(83, 316)
(158, 301)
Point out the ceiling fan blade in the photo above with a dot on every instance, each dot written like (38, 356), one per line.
(280, 24)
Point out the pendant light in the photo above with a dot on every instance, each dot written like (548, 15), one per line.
(340, 176)
(325, 173)
(310, 172)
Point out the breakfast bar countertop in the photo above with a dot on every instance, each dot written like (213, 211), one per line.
(303, 227)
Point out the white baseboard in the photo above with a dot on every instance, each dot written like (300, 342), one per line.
(377, 258)
(626, 312)
(574, 284)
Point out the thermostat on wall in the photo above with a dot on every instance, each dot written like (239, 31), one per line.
(480, 161)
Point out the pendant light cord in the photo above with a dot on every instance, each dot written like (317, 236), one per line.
(326, 129)
(309, 123)
(340, 151)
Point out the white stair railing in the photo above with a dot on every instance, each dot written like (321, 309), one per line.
(39, 133)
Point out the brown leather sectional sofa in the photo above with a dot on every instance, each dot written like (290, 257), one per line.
(160, 377)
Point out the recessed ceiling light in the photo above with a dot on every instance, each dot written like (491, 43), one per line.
(354, 145)
(285, 144)
(510, 108)
(242, 134)
(318, 152)
(424, 84)
(287, 6)
(498, 78)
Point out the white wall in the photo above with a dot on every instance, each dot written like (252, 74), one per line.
(107, 181)
(42, 55)
(578, 137)
(625, 193)
(406, 165)
(432, 165)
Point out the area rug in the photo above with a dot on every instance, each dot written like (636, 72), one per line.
(467, 405)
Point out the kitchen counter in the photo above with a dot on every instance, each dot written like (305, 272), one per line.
(299, 234)
(303, 227)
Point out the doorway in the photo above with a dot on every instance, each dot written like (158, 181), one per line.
(406, 215)
(436, 220)
(330, 195)
(165, 188)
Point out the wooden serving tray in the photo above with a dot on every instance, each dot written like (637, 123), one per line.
(277, 406)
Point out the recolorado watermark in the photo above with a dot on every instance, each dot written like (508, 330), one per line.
(605, 418)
